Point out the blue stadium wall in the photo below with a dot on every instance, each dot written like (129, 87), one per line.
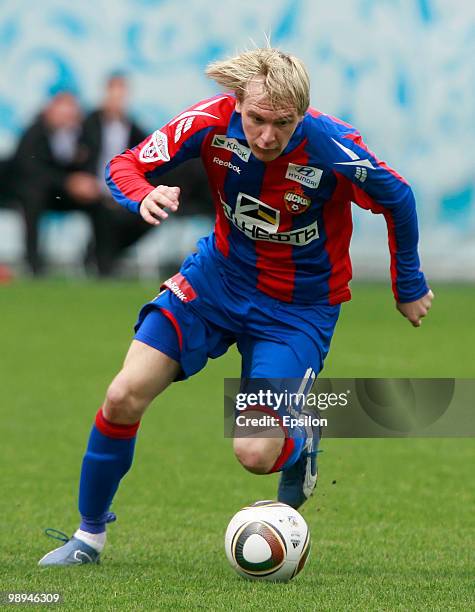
(402, 71)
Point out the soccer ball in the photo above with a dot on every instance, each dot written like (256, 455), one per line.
(267, 541)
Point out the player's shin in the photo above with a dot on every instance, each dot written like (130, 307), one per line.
(108, 458)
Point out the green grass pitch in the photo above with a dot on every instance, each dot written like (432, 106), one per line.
(395, 531)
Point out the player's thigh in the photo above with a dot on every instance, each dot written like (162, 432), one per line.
(262, 358)
(295, 343)
(150, 369)
(278, 374)
(146, 373)
(188, 337)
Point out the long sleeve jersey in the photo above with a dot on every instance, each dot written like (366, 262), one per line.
(282, 226)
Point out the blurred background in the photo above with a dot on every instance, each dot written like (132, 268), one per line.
(401, 71)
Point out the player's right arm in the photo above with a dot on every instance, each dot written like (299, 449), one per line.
(128, 174)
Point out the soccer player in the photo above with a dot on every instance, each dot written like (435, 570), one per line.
(270, 278)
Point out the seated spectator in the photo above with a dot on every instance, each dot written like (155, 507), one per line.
(59, 165)
(107, 131)
(46, 176)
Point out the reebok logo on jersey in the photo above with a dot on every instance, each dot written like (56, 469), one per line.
(296, 202)
(185, 120)
(156, 148)
(182, 127)
(305, 175)
(226, 164)
(231, 144)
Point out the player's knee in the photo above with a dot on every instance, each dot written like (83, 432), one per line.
(122, 404)
(254, 454)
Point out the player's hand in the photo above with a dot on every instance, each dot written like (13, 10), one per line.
(415, 311)
(152, 208)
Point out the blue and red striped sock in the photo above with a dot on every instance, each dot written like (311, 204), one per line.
(108, 458)
(294, 442)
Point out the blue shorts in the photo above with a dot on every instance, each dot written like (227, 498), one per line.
(200, 314)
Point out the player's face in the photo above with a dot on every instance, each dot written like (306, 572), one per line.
(267, 129)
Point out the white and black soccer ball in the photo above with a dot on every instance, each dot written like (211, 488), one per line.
(267, 541)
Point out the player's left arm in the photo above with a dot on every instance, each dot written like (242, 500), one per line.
(377, 187)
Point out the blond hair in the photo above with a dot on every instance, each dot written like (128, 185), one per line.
(285, 78)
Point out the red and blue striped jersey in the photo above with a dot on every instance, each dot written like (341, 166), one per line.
(282, 226)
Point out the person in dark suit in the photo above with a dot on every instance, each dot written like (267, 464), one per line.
(107, 131)
(46, 174)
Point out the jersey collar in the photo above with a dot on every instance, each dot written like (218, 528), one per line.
(235, 127)
(296, 139)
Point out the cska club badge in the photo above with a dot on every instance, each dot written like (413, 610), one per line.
(296, 202)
